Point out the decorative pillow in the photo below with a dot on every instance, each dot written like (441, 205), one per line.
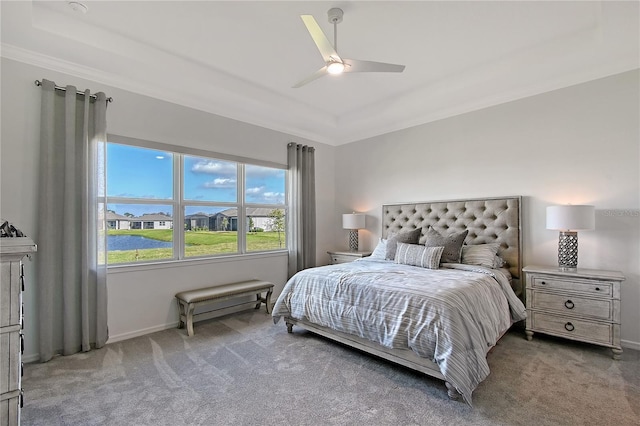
(380, 252)
(407, 237)
(418, 255)
(480, 254)
(499, 262)
(452, 244)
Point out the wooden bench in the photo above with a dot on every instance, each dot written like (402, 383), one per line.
(189, 300)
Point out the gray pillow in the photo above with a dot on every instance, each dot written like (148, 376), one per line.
(407, 237)
(452, 244)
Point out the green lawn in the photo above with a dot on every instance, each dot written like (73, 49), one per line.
(199, 243)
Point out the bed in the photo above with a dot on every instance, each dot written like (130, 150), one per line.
(422, 300)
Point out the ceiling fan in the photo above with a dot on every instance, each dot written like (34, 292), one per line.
(334, 64)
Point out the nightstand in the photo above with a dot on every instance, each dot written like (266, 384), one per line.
(580, 304)
(346, 256)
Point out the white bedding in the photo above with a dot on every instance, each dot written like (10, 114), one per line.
(452, 315)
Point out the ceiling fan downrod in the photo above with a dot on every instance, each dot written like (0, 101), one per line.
(335, 17)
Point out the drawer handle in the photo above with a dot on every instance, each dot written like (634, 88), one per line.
(569, 304)
(569, 327)
(542, 282)
(597, 288)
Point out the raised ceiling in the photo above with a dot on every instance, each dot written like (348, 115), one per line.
(239, 59)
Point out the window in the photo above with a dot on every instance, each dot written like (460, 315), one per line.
(223, 206)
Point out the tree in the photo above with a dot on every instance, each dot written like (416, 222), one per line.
(251, 224)
(225, 223)
(127, 214)
(276, 223)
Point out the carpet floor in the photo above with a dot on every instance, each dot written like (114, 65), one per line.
(242, 369)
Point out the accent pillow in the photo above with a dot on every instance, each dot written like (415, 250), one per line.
(407, 237)
(499, 262)
(418, 255)
(480, 254)
(452, 244)
(380, 252)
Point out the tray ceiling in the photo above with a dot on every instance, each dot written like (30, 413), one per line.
(239, 59)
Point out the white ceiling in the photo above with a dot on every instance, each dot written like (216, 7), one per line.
(239, 59)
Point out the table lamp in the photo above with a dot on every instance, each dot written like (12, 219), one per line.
(353, 222)
(568, 219)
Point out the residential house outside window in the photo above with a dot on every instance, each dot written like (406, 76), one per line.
(225, 206)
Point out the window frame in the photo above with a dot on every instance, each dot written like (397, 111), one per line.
(178, 203)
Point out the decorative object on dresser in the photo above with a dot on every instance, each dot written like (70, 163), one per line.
(353, 222)
(568, 219)
(346, 256)
(582, 304)
(12, 251)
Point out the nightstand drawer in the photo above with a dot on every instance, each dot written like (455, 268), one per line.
(338, 258)
(583, 330)
(570, 304)
(579, 286)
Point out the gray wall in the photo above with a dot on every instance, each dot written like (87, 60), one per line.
(141, 299)
(578, 145)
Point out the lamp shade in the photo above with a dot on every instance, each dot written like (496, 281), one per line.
(353, 221)
(571, 218)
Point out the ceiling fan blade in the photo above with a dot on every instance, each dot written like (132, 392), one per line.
(324, 46)
(355, 65)
(322, 71)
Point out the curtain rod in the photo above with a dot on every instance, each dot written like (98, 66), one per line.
(64, 89)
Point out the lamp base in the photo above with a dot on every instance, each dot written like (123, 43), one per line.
(353, 240)
(568, 250)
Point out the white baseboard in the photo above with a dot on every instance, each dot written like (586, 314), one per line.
(141, 332)
(629, 344)
(202, 316)
(30, 358)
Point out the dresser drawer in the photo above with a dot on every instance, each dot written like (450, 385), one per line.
(10, 410)
(10, 360)
(574, 305)
(577, 329)
(594, 287)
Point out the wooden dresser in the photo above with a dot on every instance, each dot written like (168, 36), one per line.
(580, 304)
(12, 252)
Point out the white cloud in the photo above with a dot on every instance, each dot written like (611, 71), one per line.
(221, 183)
(256, 190)
(214, 167)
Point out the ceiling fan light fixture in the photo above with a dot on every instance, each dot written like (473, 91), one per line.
(335, 68)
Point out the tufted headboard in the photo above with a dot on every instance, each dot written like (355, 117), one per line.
(488, 220)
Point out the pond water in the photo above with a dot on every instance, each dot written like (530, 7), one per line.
(132, 242)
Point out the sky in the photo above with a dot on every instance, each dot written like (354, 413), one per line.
(147, 173)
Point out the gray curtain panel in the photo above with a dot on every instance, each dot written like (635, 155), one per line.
(301, 205)
(71, 237)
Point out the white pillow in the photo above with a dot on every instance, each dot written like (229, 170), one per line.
(480, 254)
(418, 255)
(380, 252)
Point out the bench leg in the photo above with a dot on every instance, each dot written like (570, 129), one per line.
(268, 301)
(181, 313)
(258, 300)
(190, 310)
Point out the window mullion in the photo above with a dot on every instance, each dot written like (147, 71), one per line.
(178, 209)
(242, 211)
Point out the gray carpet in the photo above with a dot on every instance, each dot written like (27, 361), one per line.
(243, 370)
